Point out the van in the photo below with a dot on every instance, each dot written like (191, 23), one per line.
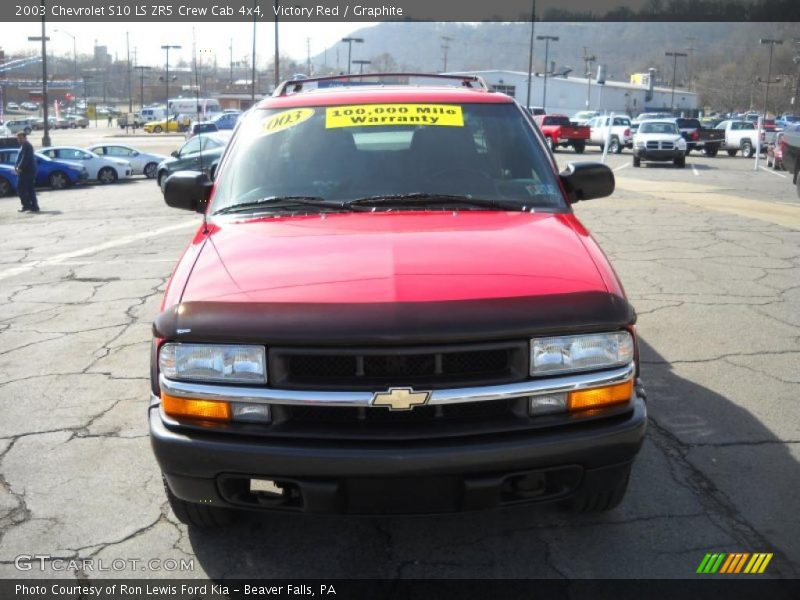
(200, 108)
(153, 113)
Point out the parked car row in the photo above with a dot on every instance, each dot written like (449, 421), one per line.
(62, 166)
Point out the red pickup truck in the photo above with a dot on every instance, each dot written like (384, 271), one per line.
(390, 307)
(560, 131)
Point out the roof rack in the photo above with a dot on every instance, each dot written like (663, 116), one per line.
(296, 85)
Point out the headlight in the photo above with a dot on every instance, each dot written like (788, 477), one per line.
(639, 144)
(214, 362)
(569, 353)
(681, 143)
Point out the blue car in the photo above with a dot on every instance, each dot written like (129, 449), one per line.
(226, 120)
(8, 180)
(55, 173)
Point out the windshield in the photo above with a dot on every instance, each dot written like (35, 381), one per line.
(345, 153)
(658, 128)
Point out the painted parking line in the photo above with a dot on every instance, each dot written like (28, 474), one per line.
(771, 172)
(61, 258)
(621, 167)
(695, 171)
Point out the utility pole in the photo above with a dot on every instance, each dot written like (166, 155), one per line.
(691, 39)
(587, 61)
(130, 90)
(44, 39)
(530, 54)
(230, 68)
(349, 41)
(547, 39)
(675, 56)
(168, 47)
(771, 44)
(445, 47)
(141, 84)
(253, 74)
(796, 60)
(308, 57)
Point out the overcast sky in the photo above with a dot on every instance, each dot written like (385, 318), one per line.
(148, 37)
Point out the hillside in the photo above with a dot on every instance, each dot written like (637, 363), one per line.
(731, 48)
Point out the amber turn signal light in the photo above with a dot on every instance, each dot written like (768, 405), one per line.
(188, 408)
(600, 397)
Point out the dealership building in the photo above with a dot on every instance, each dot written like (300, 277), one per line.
(568, 95)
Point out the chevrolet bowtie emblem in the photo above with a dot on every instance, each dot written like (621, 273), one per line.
(400, 398)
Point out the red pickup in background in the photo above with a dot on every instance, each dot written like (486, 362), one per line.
(560, 131)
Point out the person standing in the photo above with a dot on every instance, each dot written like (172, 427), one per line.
(26, 174)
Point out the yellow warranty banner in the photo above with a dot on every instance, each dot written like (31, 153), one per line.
(360, 115)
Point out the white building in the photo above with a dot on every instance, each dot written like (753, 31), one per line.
(568, 95)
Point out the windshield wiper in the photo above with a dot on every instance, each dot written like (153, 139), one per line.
(428, 199)
(281, 202)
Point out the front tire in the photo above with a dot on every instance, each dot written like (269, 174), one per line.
(747, 149)
(150, 170)
(198, 515)
(58, 180)
(157, 129)
(637, 162)
(614, 145)
(107, 175)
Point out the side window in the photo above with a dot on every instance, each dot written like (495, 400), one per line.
(117, 151)
(191, 146)
(736, 126)
(101, 150)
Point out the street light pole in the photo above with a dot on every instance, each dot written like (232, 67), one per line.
(44, 39)
(361, 64)
(74, 50)
(769, 69)
(547, 39)
(349, 41)
(168, 47)
(675, 56)
(277, 61)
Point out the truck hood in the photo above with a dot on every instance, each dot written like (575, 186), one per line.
(395, 278)
(393, 257)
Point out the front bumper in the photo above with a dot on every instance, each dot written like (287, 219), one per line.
(420, 476)
(658, 155)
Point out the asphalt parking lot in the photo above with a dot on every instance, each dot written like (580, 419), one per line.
(709, 255)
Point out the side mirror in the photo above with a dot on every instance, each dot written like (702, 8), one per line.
(134, 153)
(587, 180)
(175, 154)
(189, 190)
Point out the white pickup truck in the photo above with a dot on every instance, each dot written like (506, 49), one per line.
(620, 132)
(659, 141)
(739, 136)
